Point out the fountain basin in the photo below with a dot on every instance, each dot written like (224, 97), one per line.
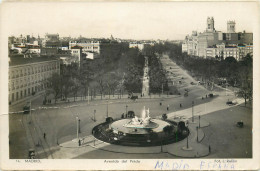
(123, 125)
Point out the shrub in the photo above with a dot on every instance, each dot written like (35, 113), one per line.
(109, 119)
(164, 116)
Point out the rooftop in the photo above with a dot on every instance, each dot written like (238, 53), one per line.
(20, 60)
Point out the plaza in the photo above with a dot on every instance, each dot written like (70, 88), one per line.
(59, 122)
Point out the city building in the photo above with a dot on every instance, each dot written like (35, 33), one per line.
(28, 76)
(87, 46)
(76, 54)
(140, 45)
(223, 51)
(203, 44)
(51, 41)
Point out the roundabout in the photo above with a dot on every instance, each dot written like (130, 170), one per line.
(143, 131)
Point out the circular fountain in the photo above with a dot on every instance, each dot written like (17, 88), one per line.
(137, 131)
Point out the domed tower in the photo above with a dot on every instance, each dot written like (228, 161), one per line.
(231, 26)
(210, 24)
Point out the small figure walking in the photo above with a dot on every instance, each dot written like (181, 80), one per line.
(209, 148)
(160, 103)
(168, 107)
(180, 105)
(44, 135)
(79, 142)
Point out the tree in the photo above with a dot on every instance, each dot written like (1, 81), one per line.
(75, 87)
(101, 85)
(246, 78)
(55, 84)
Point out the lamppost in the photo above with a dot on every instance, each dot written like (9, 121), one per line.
(77, 118)
(94, 117)
(197, 128)
(199, 121)
(107, 108)
(192, 111)
(79, 126)
(30, 111)
(126, 109)
(188, 135)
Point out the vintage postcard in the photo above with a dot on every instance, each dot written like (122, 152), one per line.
(158, 85)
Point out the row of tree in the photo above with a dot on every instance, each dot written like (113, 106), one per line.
(158, 81)
(117, 70)
(213, 70)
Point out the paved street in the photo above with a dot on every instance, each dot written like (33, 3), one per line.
(59, 122)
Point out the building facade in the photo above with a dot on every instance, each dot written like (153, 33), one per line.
(224, 51)
(87, 46)
(29, 76)
(204, 44)
(51, 41)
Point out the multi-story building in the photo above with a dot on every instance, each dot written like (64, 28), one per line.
(223, 51)
(76, 54)
(51, 41)
(140, 45)
(87, 46)
(200, 44)
(28, 76)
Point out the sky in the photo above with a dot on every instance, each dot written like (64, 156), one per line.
(127, 20)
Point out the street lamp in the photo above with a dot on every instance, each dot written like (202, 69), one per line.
(126, 109)
(188, 135)
(107, 108)
(77, 118)
(94, 117)
(192, 111)
(79, 126)
(197, 128)
(199, 121)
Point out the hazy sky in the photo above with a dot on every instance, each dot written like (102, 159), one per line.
(136, 20)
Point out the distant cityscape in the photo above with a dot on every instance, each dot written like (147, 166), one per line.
(213, 43)
(34, 59)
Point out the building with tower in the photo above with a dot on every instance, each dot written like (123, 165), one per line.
(210, 25)
(210, 42)
(231, 27)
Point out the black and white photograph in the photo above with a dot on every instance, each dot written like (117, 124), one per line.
(112, 84)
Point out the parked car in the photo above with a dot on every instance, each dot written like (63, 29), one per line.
(230, 103)
(26, 108)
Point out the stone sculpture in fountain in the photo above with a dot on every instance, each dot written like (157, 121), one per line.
(141, 122)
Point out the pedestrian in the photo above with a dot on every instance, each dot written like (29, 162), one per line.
(168, 107)
(180, 105)
(160, 103)
(141, 95)
(79, 142)
(44, 135)
(209, 148)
